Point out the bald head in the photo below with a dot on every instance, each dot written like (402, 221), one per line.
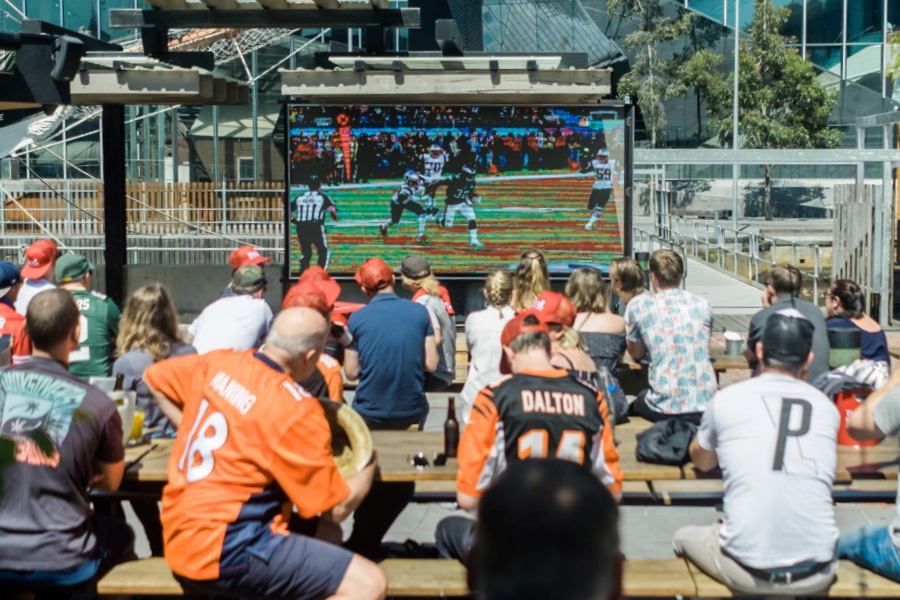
(51, 318)
(296, 331)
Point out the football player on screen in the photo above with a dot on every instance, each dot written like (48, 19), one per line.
(460, 198)
(433, 163)
(606, 176)
(405, 198)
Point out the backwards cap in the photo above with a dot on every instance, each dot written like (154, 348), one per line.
(554, 308)
(513, 329)
(374, 275)
(787, 337)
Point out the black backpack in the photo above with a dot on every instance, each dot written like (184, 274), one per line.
(666, 443)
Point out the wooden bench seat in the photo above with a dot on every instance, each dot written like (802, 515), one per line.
(445, 578)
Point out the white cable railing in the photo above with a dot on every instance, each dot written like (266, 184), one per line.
(746, 255)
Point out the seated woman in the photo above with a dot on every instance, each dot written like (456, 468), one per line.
(846, 306)
(415, 272)
(603, 331)
(530, 280)
(483, 330)
(148, 333)
(626, 278)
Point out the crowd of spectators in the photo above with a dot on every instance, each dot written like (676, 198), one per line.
(239, 397)
(386, 145)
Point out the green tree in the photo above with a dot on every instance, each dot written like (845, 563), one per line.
(781, 104)
(651, 80)
(703, 34)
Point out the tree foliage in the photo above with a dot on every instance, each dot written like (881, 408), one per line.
(652, 79)
(781, 103)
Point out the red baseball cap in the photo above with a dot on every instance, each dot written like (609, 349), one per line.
(514, 329)
(302, 292)
(39, 257)
(246, 255)
(374, 275)
(315, 273)
(553, 307)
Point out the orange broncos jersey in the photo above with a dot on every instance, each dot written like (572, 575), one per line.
(536, 414)
(330, 369)
(251, 443)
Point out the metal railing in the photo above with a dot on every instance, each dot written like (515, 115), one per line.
(743, 254)
(151, 250)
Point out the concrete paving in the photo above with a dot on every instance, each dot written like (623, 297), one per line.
(729, 296)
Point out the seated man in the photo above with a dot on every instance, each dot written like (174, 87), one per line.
(537, 412)
(253, 442)
(66, 437)
(783, 285)
(775, 437)
(239, 321)
(876, 547)
(547, 529)
(673, 327)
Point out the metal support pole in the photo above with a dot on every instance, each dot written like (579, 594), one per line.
(735, 168)
(860, 166)
(884, 260)
(115, 252)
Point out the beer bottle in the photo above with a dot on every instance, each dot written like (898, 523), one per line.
(120, 382)
(451, 430)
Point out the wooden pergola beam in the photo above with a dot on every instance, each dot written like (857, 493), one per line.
(571, 86)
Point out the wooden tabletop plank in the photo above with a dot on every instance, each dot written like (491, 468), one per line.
(441, 578)
(656, 578)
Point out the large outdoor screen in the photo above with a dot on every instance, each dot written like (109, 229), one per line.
(470, 187)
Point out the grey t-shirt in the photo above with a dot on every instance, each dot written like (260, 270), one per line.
(132, 365)
(809, 310)
(45, 514)
(887, 418)
(446, 368)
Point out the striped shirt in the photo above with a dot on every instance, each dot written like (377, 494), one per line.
(311, 207)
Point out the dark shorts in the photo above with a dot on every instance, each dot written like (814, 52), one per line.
(598, 198)
(397, 210)
(301, 568)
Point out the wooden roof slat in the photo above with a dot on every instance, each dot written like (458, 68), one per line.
(577, 86)
(276, 4)
(222, 4)
(175, 4)
(327, 3)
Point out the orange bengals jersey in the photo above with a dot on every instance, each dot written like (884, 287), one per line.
(331, 373)
(536, 414)
(251, 443)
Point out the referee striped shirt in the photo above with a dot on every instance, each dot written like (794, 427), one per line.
(311, 207)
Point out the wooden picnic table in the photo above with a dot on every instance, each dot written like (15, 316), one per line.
(721, 362)
(149, 462)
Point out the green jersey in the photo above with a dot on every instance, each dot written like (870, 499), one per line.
(99, 328)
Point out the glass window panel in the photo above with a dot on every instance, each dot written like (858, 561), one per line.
(826, 57)
(43, 10)
(794, 25)
(81, 16)
(711, 8)
(824, 19)
(864, 21)
(893, 14)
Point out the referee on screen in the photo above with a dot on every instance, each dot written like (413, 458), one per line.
(309, 220)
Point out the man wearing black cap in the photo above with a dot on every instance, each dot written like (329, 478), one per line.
(775, 439)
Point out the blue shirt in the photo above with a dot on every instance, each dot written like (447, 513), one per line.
(872, 344)
(389, 335)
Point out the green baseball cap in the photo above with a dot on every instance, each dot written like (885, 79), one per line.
(72, 267)
(249, 279)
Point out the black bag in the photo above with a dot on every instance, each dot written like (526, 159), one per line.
(666, 443)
